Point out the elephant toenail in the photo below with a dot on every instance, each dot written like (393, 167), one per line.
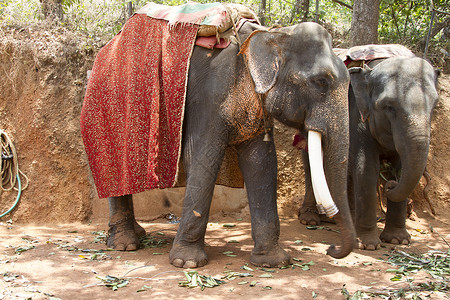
(202, 263)
(190, 264)
(394, 241)
(405, 242)
(370, 247)
(178, 262)
(119, 247)
(132, 247)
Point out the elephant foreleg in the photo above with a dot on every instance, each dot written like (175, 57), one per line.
(395, 228)
(365, 170)
(258, 163)
(124, 231)
(202, 163)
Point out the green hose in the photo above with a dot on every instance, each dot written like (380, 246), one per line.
(9, 169)
(17, 199)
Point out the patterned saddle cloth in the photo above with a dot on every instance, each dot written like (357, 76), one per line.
(215, 20)
(358, 55)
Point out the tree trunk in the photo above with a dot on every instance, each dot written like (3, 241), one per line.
(364, 28)
(300, 11)
(262, 13)
(52, 9)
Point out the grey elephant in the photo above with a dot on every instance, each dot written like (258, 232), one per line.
(391, 101)
(303, 84)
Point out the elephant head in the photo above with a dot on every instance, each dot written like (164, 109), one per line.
(397, 98)
(305, 86)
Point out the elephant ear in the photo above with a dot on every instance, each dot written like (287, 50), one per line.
(264, 58)
(360, 86)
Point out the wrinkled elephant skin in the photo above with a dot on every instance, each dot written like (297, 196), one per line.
(303, 85)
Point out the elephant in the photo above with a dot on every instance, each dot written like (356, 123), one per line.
(391, 102)
(289, 74)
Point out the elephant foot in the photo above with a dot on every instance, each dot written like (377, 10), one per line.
(123, 235)
(369, 241)
(309, 216)
(396, 236)
(140, 231)
(188, 256)
(272, 258)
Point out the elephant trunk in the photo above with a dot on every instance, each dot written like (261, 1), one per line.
(413, 156)
(336, 167)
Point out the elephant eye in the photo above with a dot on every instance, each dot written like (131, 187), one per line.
(321, 83)
(386, 105)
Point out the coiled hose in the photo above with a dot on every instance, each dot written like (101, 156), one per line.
(10, 170)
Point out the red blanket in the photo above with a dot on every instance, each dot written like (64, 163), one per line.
(133, 110)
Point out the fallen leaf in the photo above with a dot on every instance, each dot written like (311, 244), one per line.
(245, 267)
(228, 225)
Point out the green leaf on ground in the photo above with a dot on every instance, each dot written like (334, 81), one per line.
(113, 282)
(229, 225)
(193, 279)
(247, 268)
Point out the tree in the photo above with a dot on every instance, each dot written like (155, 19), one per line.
(300, 11)
(262, 12)
(364, 28)
(52, 9)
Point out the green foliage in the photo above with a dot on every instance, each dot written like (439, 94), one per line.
(21, 13)
(401, 21)
(95, 18)
(407, 21)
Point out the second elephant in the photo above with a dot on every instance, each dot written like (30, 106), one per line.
(391, 102)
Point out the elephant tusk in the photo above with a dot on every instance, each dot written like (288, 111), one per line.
(325, 202)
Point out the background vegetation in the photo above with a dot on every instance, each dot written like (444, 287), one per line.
(401, 21)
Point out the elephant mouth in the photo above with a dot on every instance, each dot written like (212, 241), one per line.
(321, 191)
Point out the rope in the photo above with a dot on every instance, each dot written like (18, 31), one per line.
(10, 172)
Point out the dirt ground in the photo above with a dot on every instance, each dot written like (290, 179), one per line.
(65, 261)
(51, 245)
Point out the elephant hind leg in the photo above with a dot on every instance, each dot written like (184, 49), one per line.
(122, 237)
(308, 215)
(124, 231)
